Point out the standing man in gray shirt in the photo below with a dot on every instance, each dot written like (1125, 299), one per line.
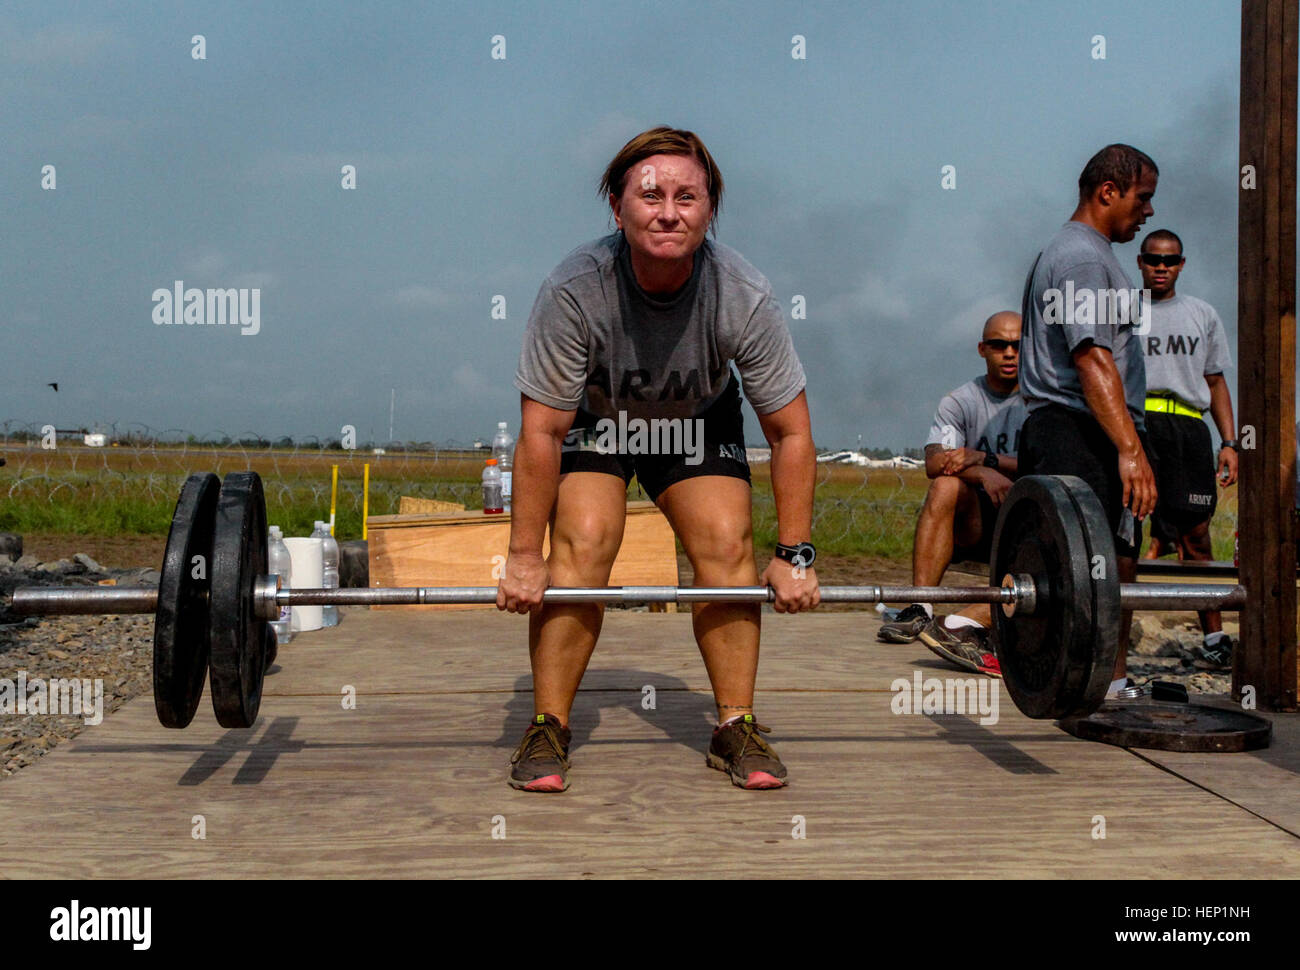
(1186, 353)
(626, 370)
(1081, 365)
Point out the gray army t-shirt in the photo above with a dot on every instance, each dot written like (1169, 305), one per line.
(975, 416)
(1185, 343)
(596, 340)
(1061, 313)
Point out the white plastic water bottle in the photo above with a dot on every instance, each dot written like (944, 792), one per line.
(492, 488)
(279, 564)
(330, 570)
(502, 450)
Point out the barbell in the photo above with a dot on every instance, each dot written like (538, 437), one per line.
(1052, 569)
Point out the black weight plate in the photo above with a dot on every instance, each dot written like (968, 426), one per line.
(238, 638)
(1104, 576)
(1046, 656)
(180, 629)
(1170, 726)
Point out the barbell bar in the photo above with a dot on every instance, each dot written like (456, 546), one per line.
(1052, 573)
(1019, 595)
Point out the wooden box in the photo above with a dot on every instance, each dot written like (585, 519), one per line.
(457, 549)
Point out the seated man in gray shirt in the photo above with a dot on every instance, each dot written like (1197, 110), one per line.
(626, 370)
(1081, 367)
(970, 458)
(1186, 353)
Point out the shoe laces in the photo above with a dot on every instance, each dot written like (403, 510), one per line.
(536, 739)
(751, 731)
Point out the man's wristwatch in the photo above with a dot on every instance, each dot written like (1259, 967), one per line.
(801, 555)
(1232, 443)
(990, 459)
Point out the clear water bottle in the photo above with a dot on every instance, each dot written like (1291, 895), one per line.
(279, 564)
(503, 447)
(492, 502)
(329, 559)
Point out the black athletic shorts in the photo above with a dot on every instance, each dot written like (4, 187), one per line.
(661, 457)
(1183, 460)
(981, 551)
(1057, 440)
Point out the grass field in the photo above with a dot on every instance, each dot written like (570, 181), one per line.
(74, 490)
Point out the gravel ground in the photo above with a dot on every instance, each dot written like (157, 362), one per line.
(115, 651)
(118, 650)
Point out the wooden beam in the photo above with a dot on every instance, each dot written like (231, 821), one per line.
(1266, 268)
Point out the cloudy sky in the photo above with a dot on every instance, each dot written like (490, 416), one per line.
(475, 174)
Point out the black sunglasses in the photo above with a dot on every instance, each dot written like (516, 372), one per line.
(1003, 344)
(1162, 259)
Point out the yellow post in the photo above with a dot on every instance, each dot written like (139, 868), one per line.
(334, 494)
(365, 498)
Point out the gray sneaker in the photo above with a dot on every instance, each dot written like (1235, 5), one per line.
(1217, 657)
(906, 627)
(967, 647)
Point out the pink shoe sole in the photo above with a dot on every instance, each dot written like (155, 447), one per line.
(548, 783)
(761, 779)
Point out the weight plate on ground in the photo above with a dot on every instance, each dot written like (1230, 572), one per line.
(1045, 656)
(180, 629)
(1104, 576)
(238, 638)
(1171, 726)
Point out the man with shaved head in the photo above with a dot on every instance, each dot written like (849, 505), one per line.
(970, 457)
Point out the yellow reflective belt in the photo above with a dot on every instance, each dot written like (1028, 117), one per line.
(1171, 405)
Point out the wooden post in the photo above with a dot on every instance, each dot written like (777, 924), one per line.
(1266, 273)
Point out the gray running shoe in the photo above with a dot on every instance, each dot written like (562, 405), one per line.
(1217, 657)
(967, 647)
(906, 627)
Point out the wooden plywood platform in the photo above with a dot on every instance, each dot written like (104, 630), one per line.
(412, 782)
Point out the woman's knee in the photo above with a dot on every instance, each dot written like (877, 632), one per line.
(720, 543)
(587, 539)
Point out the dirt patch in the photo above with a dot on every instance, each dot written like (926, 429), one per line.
(115, 552)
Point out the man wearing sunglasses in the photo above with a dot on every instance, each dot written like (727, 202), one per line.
(1186, 353)
(1082, 372)
(970, 458)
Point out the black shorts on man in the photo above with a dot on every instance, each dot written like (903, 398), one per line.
(712, 444)
(1057, 440)
(982, 549)
(1182, 458)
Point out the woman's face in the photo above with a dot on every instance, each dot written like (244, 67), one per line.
(665, 209)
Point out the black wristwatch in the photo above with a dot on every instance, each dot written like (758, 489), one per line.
(1232, 443)
(990, 459)
(803, 555)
